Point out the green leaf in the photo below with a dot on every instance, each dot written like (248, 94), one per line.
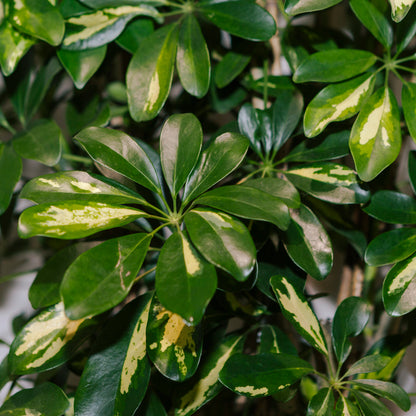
(301, 239)
(40, 19)
(375, 139)
(150, 72)
(398, 288)
(134, 34)
(41, 142)
(297, 310)
(230, 67)
(346, 408)
(368, 364)
(119, 152)
(80, 186)
(185, 282)
(411, 169)
(102, 277)
(408, 103)
(378, 24)
(192, 59)
(47, 341)
(174, 346)
(262, 374)
(68, 220)
(10, 171)
(82, 65)
(406, 30)
(392, 207)
(152, 406)
(370, 406)
(386, 390)
(322, 404)
(223, 241)
(336, 103)
(274, 340)
(240, 18)
(391, 247)
(248, 202)
(219, 159)
(350, 320)
(180, 146)
(118, 358)
(334, 65)
(46, 399)
(294, 7)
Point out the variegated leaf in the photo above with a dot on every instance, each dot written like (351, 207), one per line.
(346, 408)
(399, 9)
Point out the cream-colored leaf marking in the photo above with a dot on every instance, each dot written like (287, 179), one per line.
(135, 352)
(403, 278)
(251, 390)
(217, 219)
(301, 313)
(154, 91)
(18, 5)
(153, 346)
(85, 186)
(180, 359)
(332, 176)
(124, 10)
(32, 412)
(50, 182)
(192, 264)
(400, 4)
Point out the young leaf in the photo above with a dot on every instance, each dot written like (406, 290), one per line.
(336, 103)
(174, 346)
(68, 220)
(229, 68)
(350, 319)
(370, 406)
(334, 65)
(368, 364)
(150, 72)
(223, 241)
(322, 404)
(294, 7)
(105, 273)
(185, 282)
(119, 152)
(297, 310)
(180, 145)
(409, 103)
(10, 171)
(308, 244)
(192, 58)
(118, 358)
(400, 8)
(218, 160)
(263, 374)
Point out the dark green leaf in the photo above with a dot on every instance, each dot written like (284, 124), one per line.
(134, 34)
(10, 172)
(185, 282)
(399, 9)
(274, 340)
(294, 7)
(406, 30)
(411, 167)
(276, 85)
(230, 67)
(334, 65)
(152, 406)
(150, 72)
(370, 406)
(409, 103)
(241, 18)
(322, 404)
(368, 364)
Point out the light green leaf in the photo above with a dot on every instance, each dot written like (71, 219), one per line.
(294, 7)
(10, 171)
(368, 364)
(400, 8)
(230, 67)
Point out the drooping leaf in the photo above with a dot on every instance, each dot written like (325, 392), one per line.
(375, 139)
(174, 346)
(297, 310)
(400, 8)
(10, 171)
(223, 241)
(68, 220)
(322, 404)
(230, 67)
(294, 7)
(368, 364)
(105, 273)
(370, 406)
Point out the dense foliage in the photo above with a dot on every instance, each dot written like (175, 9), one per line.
(190, 193)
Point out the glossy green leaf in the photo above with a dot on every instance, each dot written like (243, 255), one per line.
(334, 65)
(10, 171)
(223, 241)
(375, 139)
(185, 282)
(174, 346)
(406, 30)
(373, 20)
(68, 220)
(368, 364)
(346, 408)
(40, 19)
(322, 404)
(180, 146)
(297, 310)
(134, 34)
(192, 58)
(82, 65)
(392, 207)
(248, 202)
(336, 103)
(308, 244)
(411, 169)
(219, 159)
(152, 406)
(80, 186)
(116, 375)
(294, 7)
(230, 67)
(97, 28)
(105, 273)
(47, 341)
(46, 399)
(370, 406)
(119, 152)
(398, 288)
(240, 18)
(150, 72)
(41, 142)
(262, 374)
(391, 247)
(350, 320)
(409, 103)
(274, 340)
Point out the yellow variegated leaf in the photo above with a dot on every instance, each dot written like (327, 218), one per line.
(399, 9)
